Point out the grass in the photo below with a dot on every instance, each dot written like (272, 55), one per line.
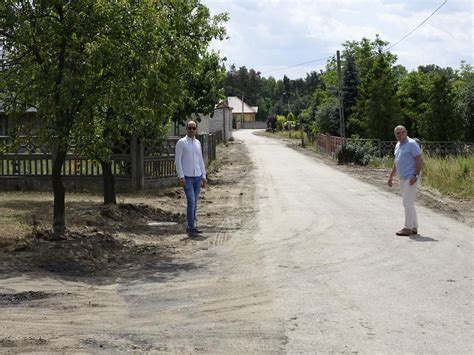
(449, 175)
(293, 134)
(452, 176)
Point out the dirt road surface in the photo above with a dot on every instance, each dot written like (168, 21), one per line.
(297, 257)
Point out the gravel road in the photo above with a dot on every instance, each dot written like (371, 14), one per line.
(319, 269)
(340, 273)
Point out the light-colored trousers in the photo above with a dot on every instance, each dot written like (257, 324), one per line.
(409, 196)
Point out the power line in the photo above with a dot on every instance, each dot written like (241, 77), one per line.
(366, 60)
(297, 65)
(386, 49)
(417, 27)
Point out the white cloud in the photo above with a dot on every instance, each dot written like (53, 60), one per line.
(270, 34)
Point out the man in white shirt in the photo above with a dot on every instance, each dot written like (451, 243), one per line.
(191, 173)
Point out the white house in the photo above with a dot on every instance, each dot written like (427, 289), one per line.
(241, 112)
(221, 120)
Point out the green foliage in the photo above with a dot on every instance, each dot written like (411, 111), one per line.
(270, 95)
(366, 52)
(100, 71)
(452, 175)
(384, 162)
(464, 168)
(377, 107)
(464, 102)
(327, 117)
(280, 122)
(413, 93)
(439, 121)
(356, 152)
(350, 85)
(290, 117)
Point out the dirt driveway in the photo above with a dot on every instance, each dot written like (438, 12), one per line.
(127, 277)
(285, 265)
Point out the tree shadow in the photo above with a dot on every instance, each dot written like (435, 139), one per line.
(98, 259)
(102, 244)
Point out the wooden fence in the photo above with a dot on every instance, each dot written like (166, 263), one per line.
(26, 164)
(327, 144)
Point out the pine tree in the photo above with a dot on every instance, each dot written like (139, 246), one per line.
(377, 106)
(350, 85)
(439, 123)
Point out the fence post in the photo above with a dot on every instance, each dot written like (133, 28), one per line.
(133, 163)
(141, 165)
(328, 144)
(212, 139)
(137, 163)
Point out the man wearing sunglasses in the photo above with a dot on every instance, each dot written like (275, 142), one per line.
(191, 173)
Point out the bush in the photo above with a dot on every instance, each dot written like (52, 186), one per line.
(384, 162)
(359, 153)
(280, 121)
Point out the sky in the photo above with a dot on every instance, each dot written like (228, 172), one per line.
(275, 36)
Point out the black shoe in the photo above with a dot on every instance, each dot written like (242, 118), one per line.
(195, 230)
(193, 235)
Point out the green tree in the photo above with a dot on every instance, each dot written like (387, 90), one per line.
(464, 102)
(439, 122)
(435, 69)
(327, 116)
(377, 106)
(99, 70)
(350, 85)
(465, 110)
(365, 52)
(413, 95)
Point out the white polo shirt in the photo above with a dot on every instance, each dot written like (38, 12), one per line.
(188, 158)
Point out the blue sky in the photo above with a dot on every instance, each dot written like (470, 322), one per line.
(268, 35)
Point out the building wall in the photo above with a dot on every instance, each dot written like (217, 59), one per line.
(248, 117)
(209, 124)
(222, 121)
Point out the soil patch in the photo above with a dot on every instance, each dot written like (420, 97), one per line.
(17, 298)
(143, 235)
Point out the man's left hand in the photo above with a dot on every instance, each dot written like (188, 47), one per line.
(203, 182)
(413, 180)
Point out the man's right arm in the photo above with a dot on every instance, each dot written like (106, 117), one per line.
(177, 161)
(392, 174)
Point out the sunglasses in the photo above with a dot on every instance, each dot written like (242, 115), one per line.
(192, 128)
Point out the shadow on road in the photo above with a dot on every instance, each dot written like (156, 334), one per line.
(420, 238)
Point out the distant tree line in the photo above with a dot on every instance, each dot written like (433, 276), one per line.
(434, 103)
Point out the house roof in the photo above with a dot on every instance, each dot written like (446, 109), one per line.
(222, 104)
(30, 109)
(236, 104)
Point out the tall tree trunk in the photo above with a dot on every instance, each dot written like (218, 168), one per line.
(59, 220)
(109, 183)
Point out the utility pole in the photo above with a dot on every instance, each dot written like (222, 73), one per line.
(341, 103)
(301, 120)
(289, 110)
(224, 107)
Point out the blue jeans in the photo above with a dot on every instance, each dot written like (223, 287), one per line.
(192, 189)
